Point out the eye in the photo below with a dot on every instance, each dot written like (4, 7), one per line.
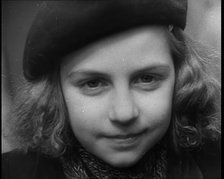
(93, 83)
(147, 81)
(93, 86)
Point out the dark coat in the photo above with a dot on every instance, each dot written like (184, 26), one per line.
(17, 165)
(205, 164)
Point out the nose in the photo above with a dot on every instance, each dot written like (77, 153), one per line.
(123, 110)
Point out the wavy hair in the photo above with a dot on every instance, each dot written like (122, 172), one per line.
(39, 118)
(196, 103)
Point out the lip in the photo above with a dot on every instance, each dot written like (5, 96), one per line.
(124, 141)
(126, 136)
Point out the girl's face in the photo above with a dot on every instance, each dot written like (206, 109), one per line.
(119, 94)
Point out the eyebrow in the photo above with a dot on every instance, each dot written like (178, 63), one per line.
(152, 68)
(88, 73)
(165, 69)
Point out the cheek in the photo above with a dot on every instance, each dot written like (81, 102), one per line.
(156, 107)
(85, 112)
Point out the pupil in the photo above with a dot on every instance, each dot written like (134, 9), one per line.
(146, 78)
(93, 83)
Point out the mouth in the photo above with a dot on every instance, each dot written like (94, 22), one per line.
(126, 136)
(122, 141)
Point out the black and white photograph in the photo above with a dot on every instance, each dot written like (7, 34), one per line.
(111, 89)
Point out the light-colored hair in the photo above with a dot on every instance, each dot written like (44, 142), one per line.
(39, 118)
(196, 104)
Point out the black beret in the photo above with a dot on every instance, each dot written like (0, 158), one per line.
(61, 27)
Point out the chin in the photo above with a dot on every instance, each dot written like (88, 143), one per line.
(122, 161)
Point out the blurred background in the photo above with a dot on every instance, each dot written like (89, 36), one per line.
(203, 25)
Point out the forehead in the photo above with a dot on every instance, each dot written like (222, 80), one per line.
(133, 49)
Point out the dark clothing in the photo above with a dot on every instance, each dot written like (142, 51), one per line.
(16, 165)
(205, 164)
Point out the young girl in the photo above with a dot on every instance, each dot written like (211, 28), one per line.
(114, 89)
